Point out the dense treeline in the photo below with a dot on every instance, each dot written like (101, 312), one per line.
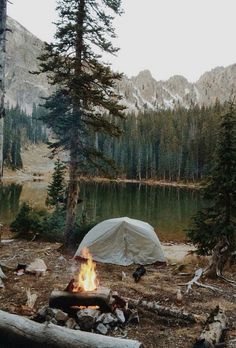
(166, 144)
(21, 129)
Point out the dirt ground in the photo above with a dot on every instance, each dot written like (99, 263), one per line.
(159, 284)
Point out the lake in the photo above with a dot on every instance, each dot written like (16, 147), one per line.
(168, 209)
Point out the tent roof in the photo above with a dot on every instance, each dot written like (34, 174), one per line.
(123, 241)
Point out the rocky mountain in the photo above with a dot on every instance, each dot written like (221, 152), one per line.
(140, 92)
(23, 48)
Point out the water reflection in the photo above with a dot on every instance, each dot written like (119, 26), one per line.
(9, 201)
(168, 209)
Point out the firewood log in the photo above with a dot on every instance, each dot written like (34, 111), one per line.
(21, 332)
(215, 324)
(163, 311)
(65, 300)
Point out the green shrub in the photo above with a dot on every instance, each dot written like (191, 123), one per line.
(31, 223)
(53, 226)
(28, 222)
(81, 231)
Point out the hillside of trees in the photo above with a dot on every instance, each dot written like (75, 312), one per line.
(169, 145)
(20, 130)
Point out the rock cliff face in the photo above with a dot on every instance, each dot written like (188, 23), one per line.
(23, 48)
(140, 92)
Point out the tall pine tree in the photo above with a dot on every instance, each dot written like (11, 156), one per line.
(57, 188)
(214, 229)
(3, 18)
(85, 87)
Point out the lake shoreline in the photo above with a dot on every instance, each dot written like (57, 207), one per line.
(22, 176)
(175, 252)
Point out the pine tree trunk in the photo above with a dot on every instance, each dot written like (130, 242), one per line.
(3, 6)
(220, 256)
(1, 147)
(73, 194)
(73, 187)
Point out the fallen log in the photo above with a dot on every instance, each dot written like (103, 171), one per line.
(214, 327)
(65, 300)
(26, 333)
(164, 311)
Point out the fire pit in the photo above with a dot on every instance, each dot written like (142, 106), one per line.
(83, 291)
(86, 305)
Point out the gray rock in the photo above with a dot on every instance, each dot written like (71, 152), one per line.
(70, 323)
(77, 327)
(87, 318)
(102, 329)
(133, 318)
(42, 312)
(60, 315)
(53, 321)
(120, 315)
(100, 318)
(50, 312)
(110, 319)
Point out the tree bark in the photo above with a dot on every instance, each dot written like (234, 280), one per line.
(213, 329)
(220, 256)
(73, 187)
(21, 332)
(73, 193)
(163, 311)
(3, 17)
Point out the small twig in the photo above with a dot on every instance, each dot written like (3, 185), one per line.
(199, 272)
(3, 265)
(31, 299)
(213, 288)
(220, 275)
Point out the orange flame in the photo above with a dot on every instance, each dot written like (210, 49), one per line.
(87, 278)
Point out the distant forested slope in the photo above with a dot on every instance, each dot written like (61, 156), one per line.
(20, 129)
(166, 145)
(169, 145)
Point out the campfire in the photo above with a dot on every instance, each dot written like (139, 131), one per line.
(86, 280)
(87, 305)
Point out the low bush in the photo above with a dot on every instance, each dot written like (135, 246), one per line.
(28, 222)
(48, 226)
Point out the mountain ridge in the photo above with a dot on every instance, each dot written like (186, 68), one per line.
(140, 92)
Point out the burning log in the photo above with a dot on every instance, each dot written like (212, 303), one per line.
(27, 333)
(213, 329)
(66, 300)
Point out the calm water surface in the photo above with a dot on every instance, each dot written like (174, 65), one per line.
(167, 209)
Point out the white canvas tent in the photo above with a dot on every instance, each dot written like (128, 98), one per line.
(123, 241)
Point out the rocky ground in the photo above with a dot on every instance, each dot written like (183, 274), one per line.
(159, 284)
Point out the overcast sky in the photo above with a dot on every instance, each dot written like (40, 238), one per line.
(168, 37)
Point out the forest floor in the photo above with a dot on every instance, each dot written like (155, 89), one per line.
(38, 166)
(159, 284)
